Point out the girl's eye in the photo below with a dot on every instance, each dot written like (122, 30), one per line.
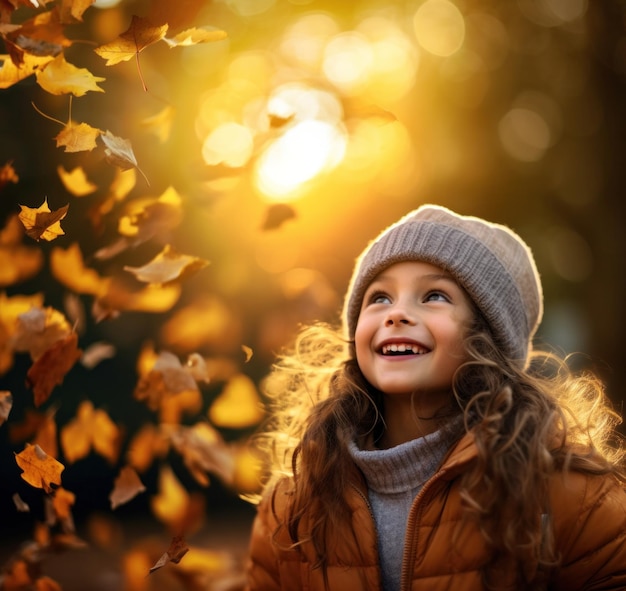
(436, 296)
(379, 298)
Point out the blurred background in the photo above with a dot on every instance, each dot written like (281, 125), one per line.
(270, 154)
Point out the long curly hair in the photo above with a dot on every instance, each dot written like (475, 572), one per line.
(527, 423)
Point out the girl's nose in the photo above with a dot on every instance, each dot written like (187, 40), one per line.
(399, 315)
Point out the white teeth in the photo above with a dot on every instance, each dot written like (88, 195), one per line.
(402, 348)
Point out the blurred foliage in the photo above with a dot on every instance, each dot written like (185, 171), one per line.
(182, 184)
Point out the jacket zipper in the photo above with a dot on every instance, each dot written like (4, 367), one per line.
(410, 539)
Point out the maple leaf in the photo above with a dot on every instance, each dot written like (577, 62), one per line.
(50, 369)
(167, 266)
(38, 468)
(140, 34)
(196, 35)
(91, 428)
(11, 74)
(127, 486)
(61, 77)
(6, 403)
(119, 152)
(177, 549)
(41, 222)
(76, 181)
(42, 34)
(79, 137)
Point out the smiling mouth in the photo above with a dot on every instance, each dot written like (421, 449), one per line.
(396, 349)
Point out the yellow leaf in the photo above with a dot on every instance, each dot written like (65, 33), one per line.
(41, 223)
(139, 35)
(68, 268)
(238, 405)
(61, 77)
(167, 266)
(39, 469)
(77, 138)
(170, 505)
(76, 181)
(197, 35)
(10, 74)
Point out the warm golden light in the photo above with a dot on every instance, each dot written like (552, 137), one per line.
(524, 134)
(439, 27)
(303, 152)
(230, 144)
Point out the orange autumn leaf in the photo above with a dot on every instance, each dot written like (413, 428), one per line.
(6, 403)
(8, 174)
(11, 74)
(167, 266)
(90, 429)
(120, 297)
(50, 369)
(177, 549)
(60, 77)
(38, 468)
(79, 137)
(62, 503)
(69, 269)
(36, 329)
(127, 486)
(17, 262)
(140, 34)
(147, 444)
(76, 181)
(72, 10)
(171, 504)
(238, 405)
(41, 222)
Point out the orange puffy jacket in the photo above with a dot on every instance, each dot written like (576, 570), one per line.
(441, 551)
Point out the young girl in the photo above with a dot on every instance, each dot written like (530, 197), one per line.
(427, 446)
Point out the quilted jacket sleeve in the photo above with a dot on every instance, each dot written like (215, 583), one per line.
(262, 569)
(590, 529)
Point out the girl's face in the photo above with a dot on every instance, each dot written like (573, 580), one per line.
(410, 332)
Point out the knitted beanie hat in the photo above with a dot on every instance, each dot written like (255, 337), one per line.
(490, 261)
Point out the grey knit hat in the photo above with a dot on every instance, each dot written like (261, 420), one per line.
(490, 261)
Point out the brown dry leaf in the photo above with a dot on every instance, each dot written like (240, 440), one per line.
(50, 369)
(147, 218)
(178, 548)
(8, 174)
(238, 405)
(248, 352)
(140, 34)
(90, 429)
(37, 329)
(10, 74)
(97, 352)
(43, 34)
(6, 404)
(69, 269)
(79, 137)
(119, 152)
(276, 215)
(167, 267)
(62, 503)
(196, 35)
(19, 503)
(41, 222)
(76, 181)
(38, 468)
(126, 487)
(60, 77)
(203, 451)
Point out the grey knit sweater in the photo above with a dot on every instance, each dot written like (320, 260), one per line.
(394, 477)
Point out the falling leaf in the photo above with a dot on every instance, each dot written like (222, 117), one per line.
(6, 403)
(194, 36)
(203, 451)
(62, 504)
(41, 222)
(140, 34)
(248, 352)
(147, 444)
(38, 468)
(10, 74)
(119, 152)
(20, 505)
(178, 548)
(60, 77)
(90, 429)
(72, 10)
(37, 329)
(167, 266)
(97, 352)
(8, 174)
(79, 137)
(148, 218)
(76, 181)
(50, 369)
(69, 269)
(277, 215)
(238, 405)
(170, 505)
(127, 486)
